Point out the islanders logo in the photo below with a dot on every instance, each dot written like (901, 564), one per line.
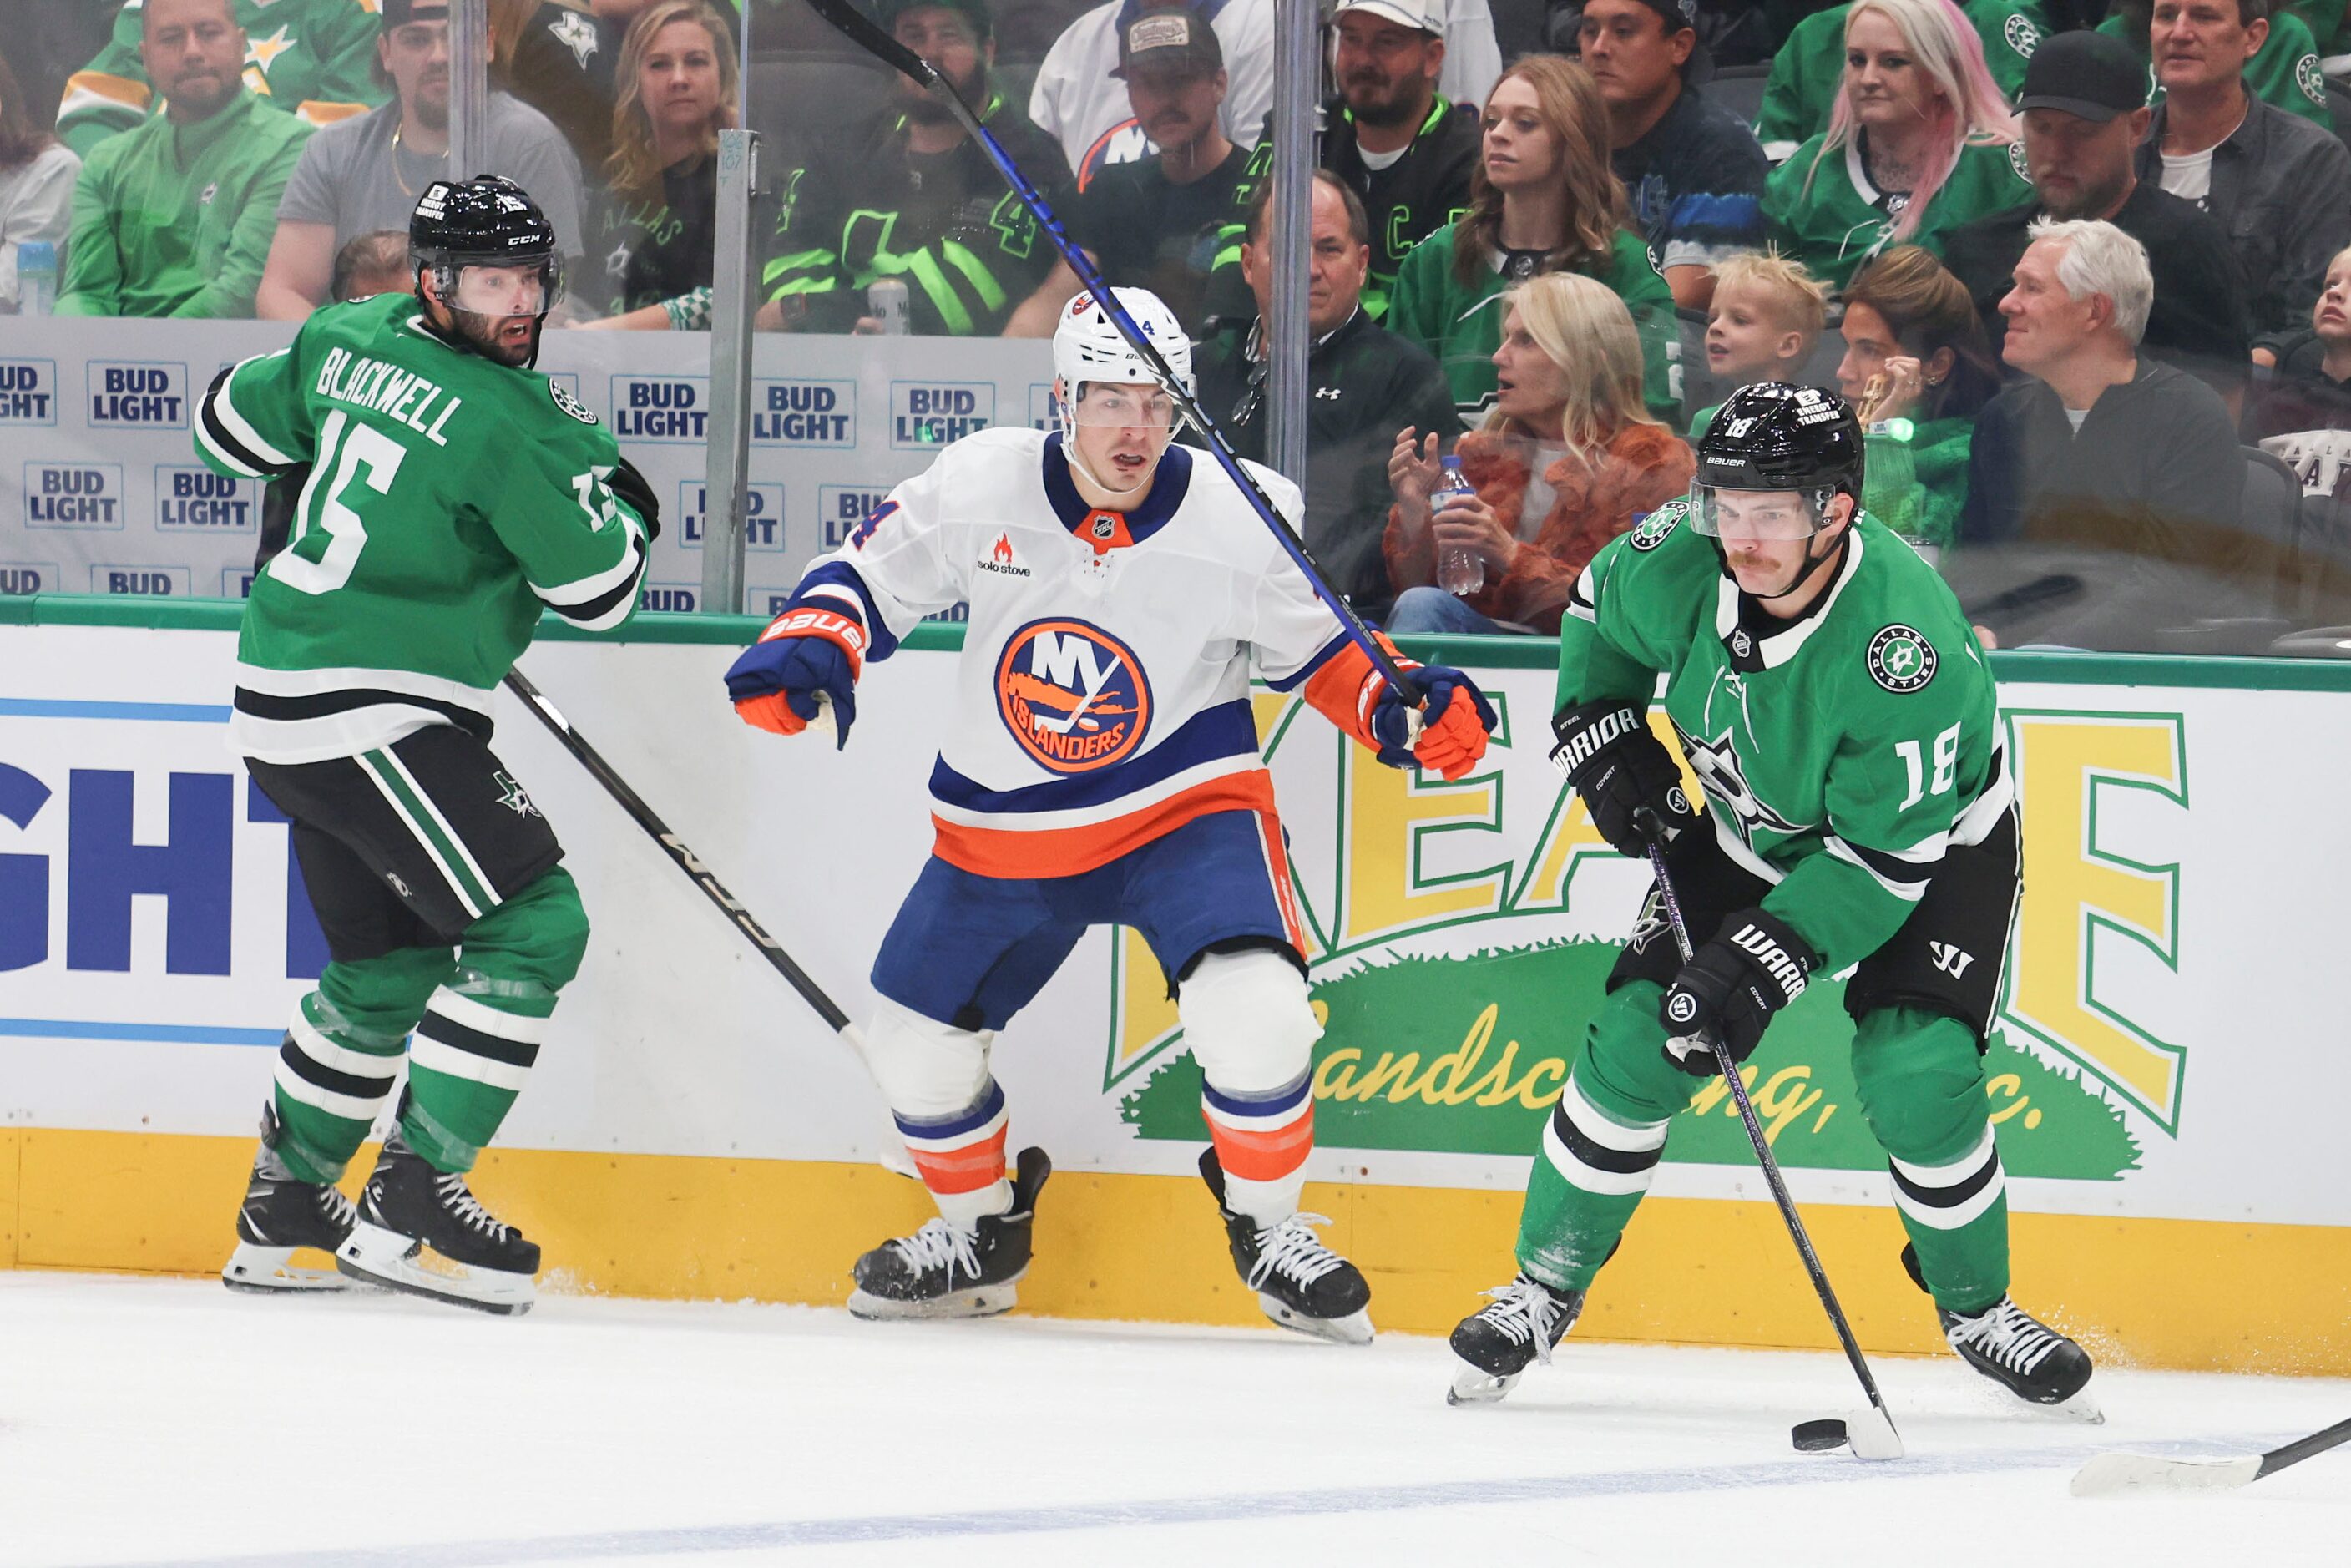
(1073, 695)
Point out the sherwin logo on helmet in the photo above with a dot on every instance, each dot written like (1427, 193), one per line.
(1073, 696)
(1900, 659)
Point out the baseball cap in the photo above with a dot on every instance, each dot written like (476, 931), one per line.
(1425, 16)
(975, 12)
(1675, 13)
(400, 12)
(2086, 74)
(1174, 37)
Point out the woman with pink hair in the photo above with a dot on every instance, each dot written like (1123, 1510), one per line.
(1920, 142)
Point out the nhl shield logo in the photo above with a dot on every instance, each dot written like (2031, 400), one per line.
(1900, 659)
(1741, 645)
(1073, 696)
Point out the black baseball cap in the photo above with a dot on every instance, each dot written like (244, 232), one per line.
(975, 12)
(400, 13)
(1172, 38)
(2086, 74)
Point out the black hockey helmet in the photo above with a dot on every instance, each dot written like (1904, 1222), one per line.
(1774, 436)
(489, 222)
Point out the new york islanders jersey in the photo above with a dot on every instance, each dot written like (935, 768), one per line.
(1102, 698)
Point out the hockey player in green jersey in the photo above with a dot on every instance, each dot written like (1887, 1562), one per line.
(1838, 714)
(451, 494)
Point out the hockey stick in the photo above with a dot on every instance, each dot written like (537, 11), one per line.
(2109, 1475)
(844, 15)
(1873, 1436)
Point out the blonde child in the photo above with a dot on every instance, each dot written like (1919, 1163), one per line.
(1767, 316)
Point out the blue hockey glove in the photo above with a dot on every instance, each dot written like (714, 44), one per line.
(808, 652)
(1454, 723)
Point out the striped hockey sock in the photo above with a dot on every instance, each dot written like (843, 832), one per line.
(1591, 1176)
(333, 1078)
(960, 1158)
(1262, 1140)
(1956, 1211)
(470, 1057)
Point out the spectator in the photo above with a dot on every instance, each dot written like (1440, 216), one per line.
(2100, 446)
(370, 264)
(1921, 143)
(1077, 101)
(2083, 124)
(1366, 384)
(658, 223)
(1160, 222)
(1767, 317)
(2300, 411)
(2279, 186)
(1806, 74)
(365, 174)
(310, 56)
(965, 247)
(1917, 371)
(37, 185)
(173, 218)
(1692, 170)
(2283, 73)
(1567, 459)
(562, 62)
(1542, 199)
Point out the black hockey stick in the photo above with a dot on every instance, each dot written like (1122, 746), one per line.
(1871, 1439)
(844, 15)
(2111, 1474)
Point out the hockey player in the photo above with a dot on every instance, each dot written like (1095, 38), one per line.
(1102, 769)
(452, 493)
(1838, 714)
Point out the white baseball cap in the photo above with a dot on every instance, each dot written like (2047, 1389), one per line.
(1427, 15)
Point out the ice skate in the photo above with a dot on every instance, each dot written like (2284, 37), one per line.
(1497, 1343)
(2026, 1356)
(1300, 1283)
(422, 1230)
(280, 1214)
(944, 1271)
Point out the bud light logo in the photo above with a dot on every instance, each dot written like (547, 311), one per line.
(73, 496)
(661, 408)
(142, 582)
(197, 500)
(840, 508)
(675, 597)
(929, 414)
(763, 514)
(804, 414)
(1044, 409)
(136, 396)
(21, 578)
(28, 392)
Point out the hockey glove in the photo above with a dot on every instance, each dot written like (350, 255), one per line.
(1620, 768)
(1454, 725)
(630, 486)
(1730, 988)
(809, 651)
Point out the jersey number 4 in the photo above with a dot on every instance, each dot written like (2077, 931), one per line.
(1913, 763)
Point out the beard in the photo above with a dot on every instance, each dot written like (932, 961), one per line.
(2093, 200)
(205, 96)
(1379, 102)
(431, 106)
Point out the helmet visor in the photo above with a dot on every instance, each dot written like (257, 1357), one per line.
(1141, 405)
(530, 288)
(1771, 516)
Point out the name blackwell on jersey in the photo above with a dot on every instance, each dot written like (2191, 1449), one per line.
(386, 389)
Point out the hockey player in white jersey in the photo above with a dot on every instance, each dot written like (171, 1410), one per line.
(1101, 767)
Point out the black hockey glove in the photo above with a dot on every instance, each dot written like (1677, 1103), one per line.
(1608, 753)
(1730, 988)
(630, 486)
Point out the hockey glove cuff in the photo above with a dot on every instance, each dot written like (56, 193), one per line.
(1455, 720)
(1755, 966)
(811, 650)
(630, 486)
(1620, 768)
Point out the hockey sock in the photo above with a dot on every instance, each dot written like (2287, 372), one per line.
(961, 1157)
(341, 1056)
(1262, 1140)
(1921, 1082)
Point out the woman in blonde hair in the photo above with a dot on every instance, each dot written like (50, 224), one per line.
(1568, 458)
(1920, 142)
(677, 91)
(1542, 199)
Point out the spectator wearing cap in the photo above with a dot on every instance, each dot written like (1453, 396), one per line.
(1692, 170)
(2083, 121)
(1365, 384)
(2278, 185)
(1160, 222)
(173, 218)
(912, 197)
(1809, 71)
(361, 176)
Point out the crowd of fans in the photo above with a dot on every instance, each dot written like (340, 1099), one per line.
(2084, 267)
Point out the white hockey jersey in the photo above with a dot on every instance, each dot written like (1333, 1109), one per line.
(1103, 695)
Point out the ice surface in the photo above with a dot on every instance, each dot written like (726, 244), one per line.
(150, 1420)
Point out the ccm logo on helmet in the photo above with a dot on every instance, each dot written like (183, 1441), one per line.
(1073, 696)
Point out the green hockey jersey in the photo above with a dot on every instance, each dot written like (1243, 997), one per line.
(1841, 753)
(1809, 67)
(2284, 73)
(1841, 220)
(446, 499)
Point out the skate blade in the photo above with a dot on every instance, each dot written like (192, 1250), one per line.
(2081, 1408)
(1475, 1385)
(978, 1301)
(270, 1272)
(1356, 1328)
(397, 1262)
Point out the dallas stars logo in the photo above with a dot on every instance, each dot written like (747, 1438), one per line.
(1716, 765)
(1901, 659)
(513, 796)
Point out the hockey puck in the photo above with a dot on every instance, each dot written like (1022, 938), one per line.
(1819, 1436)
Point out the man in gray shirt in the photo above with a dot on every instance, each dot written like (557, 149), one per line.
(364, 174)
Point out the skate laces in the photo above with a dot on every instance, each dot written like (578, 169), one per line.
(459, 1200)
(337, 1209)
(1524, 1310)
(2005, 1333)
(939, 1245)
(1292, 1250)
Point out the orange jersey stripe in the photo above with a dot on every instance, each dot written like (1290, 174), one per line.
(1347, 688)
(1264, 1156)
(1067, 851)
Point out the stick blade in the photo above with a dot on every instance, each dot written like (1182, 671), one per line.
(1872, 1433)
(2113, 1475)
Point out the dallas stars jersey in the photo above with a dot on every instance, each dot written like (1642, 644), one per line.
(1809, 67)
(1841, 754)
(447, 499)
(1843, 220)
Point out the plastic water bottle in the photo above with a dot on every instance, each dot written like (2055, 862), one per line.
(37, 276)
(1460, 573)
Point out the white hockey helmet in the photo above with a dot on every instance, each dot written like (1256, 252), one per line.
(1088, 347)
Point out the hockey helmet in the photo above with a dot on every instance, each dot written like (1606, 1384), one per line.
(488, 223)
(1087, 347)
(1772, 436)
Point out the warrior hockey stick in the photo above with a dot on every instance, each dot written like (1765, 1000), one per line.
(844, 15)
(1872, 1435)
(2109, 1475)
